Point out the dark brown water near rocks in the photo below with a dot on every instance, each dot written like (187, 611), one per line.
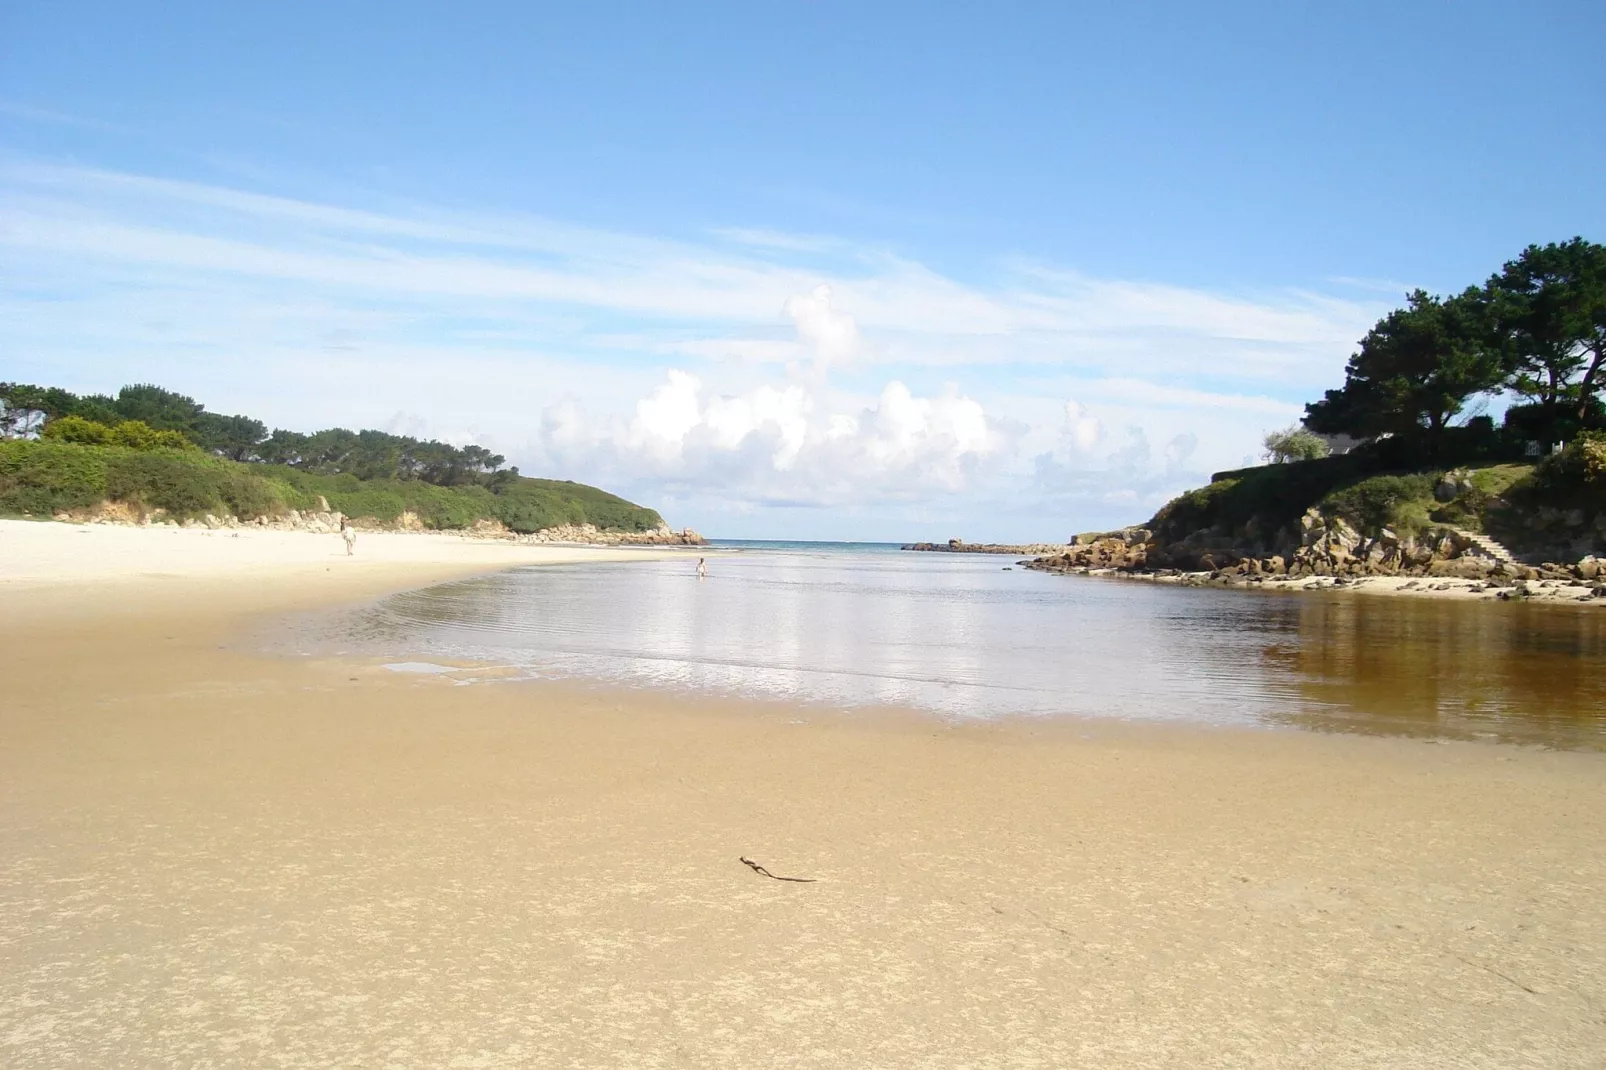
(1524, 673)
(965, 637)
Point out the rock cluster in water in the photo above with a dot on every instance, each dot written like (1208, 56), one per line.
(588, 533)
(960, 546)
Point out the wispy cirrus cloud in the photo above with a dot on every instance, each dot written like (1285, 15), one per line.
(186, 226)
(804, 369)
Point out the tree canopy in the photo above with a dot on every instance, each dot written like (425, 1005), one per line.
(1549, 311)
(1414, 371)
(1536, 329)
(1294, 444)
(27, 410)
(130, 434)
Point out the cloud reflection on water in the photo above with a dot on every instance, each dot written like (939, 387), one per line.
(962, 637)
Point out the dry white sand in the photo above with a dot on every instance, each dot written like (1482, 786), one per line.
(218, 859)
(47, 553)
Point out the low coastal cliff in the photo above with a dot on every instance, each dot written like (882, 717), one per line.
(1503, 527)
(326, 521)
(1329, 547)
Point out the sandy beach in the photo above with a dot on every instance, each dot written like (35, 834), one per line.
(217, 858)
(44, 554)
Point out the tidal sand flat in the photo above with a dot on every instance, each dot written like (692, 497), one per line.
(215, 857)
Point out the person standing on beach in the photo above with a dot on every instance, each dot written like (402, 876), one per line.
(702, 568)
(349, 534)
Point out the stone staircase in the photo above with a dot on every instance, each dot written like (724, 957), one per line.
(1489, 547)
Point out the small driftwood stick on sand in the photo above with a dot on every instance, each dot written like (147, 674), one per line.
(761, 871)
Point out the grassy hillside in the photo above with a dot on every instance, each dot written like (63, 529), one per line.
(41, 478)
(156, 450)
(1555, 507)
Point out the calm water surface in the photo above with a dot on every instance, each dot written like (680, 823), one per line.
(963, 636)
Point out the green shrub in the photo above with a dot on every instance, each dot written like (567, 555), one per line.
(534, 504)
(136, 435)
(43, 477)
(130, 434)
(527, 509)
(248, 495)
(1266, 502)
(1399, 502)
(1267, 499)
(1590, 446)
(161, 480)
(77, 431)
(577, 503)
(621, 516)
(1294, 444)
(1495, 480)
(1196, 509)
(449, 508)
(1574, 477)
(374, 503)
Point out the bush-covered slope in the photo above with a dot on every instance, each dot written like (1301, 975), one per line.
(44, 477)
(1554, 508)
(153, 450)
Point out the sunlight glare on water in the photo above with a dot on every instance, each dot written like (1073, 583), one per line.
(964, 636)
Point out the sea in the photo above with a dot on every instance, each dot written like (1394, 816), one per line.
(866, 625)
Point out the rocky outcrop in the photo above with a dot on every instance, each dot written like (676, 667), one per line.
(1126, 550)
(1337, 521)
(1550, 532)
(320, 522)
(1326, 547)
(960, 546)
(587, 533)
(326, 521)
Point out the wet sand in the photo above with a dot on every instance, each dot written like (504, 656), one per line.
(219, 859)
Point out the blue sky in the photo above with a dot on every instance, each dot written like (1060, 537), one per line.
(875, 271)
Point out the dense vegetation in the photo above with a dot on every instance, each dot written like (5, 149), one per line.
(25, 410)
(1533, 334)
(1260, 504)
(154, 450)
(1535, 330)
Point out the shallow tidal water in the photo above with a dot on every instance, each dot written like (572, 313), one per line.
(968, 636)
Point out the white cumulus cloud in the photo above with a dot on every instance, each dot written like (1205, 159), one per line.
(1083, 431)
(828, 331)
(782, 443)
